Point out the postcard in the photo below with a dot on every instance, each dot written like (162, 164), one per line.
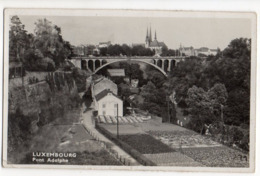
(129, 90)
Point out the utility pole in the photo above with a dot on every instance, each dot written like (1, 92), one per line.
(117, 121)
(168, 108)
(222, 119)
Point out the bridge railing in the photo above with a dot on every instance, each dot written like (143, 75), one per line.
(129, 57)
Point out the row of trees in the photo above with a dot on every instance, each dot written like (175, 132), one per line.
(138, 50)
(45, 50)
(125, 50)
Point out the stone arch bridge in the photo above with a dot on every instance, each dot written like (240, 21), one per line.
(163, 64)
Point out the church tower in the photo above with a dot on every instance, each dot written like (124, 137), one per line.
(147, 39)
(150, 38)
(155, 38)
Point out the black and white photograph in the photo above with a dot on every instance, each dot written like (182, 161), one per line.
(129, 89)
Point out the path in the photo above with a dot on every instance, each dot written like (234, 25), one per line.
(89, 124)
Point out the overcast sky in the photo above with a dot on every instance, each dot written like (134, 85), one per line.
(196, 32)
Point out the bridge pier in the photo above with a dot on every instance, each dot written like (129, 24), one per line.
(163, 64)
(169, 65)
(93, 66)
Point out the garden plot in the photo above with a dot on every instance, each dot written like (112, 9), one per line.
(183, 139)
(218, 156)
(146, 144)
(123, 129)
(172, 159)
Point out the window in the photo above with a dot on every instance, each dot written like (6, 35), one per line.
(104, 112)
(115, 105)
(104, 105)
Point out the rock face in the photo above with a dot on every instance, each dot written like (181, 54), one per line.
(44, 101)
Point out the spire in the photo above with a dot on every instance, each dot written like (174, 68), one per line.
(150, 33)
(155, 38)
(147, 36)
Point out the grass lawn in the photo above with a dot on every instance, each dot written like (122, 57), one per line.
(145, 144)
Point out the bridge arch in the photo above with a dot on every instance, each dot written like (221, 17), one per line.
(137, 60)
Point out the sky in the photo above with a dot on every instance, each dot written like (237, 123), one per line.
(196, 32)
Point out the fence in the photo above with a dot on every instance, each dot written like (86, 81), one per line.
(112, 152)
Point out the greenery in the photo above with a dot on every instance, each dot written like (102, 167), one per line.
(125, 50)
(45, 50)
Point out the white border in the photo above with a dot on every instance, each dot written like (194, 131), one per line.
(252, 97)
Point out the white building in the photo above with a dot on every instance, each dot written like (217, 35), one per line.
(107, 103)
(104, 44)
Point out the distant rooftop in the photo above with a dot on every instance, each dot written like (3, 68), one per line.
(116, 72)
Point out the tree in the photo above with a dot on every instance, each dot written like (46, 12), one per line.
(19, 41)
(164, 51)
(132, 70)
(49, 41)
(126, 50)
(103, 51)
(205, 106)
(156, 77)
(200, 108)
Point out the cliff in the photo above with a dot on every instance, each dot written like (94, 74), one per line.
(43, 101)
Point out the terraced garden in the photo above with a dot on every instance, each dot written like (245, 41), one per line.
(202, 149)
(172, 145)
(146, 144)
(183, 139)
(172, 159)
(218, 156)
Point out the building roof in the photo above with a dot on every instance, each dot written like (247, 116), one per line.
(104, 93)
(203, 49)
(161, 43)
(154, 43)
(116, 72)
(187, 48)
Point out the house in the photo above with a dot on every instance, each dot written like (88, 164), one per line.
(104, 44)
(201, 52)
(204, 51)
(102, 84)
(108, 103)
(187, 51)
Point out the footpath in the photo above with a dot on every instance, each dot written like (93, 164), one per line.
(89, 124)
